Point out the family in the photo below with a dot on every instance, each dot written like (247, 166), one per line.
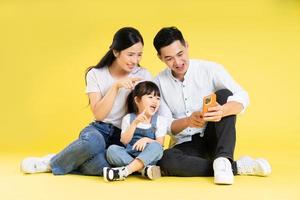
(134, 112)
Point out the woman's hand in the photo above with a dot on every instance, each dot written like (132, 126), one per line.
(127, 82)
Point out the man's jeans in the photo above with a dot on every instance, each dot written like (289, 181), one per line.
(119, 156)
(86, 155)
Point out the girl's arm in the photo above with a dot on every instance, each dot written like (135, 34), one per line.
(128, 134)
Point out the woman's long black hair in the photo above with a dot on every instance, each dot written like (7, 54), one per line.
(141, 89)
(123, 39)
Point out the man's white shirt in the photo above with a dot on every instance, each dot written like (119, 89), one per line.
(179, 99)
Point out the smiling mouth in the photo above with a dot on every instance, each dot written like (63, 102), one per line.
(181, 67)
(153, 108)
(131, 66)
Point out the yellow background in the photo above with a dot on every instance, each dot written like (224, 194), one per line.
(45, 47)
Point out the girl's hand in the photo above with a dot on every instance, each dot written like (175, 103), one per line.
(141, 144)
(141, 118)
(214, 114)
(127, 82)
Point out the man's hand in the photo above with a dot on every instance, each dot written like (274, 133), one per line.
(214, 114)
(196, 120)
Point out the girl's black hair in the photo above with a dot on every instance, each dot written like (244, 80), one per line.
(141, 89)
(123, 39)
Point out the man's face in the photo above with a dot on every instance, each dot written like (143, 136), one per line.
(176, 57)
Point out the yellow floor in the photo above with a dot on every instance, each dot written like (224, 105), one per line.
(282, 184)
(45, 47)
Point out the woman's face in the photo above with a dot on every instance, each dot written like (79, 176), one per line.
(128, 58)
(148, 103)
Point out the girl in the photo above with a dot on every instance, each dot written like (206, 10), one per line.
(108, 84)
(143, 134)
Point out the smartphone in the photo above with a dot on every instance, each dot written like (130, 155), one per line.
(209, 101)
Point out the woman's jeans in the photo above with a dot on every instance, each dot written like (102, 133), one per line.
(119, 156)
(86, 155)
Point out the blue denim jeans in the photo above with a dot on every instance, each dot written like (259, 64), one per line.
(120, 156)
(87, 154)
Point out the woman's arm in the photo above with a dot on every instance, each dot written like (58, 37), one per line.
(102, 105)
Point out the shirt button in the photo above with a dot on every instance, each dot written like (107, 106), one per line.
(185, 99)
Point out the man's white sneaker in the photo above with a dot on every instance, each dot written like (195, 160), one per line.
(248, 166)
(152, 172)
(33, 165)
(223, 171)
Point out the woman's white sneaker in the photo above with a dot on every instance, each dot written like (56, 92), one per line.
(248, 166)
(223, 171)
(33, 165)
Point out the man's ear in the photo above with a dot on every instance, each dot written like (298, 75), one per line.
(116, 53)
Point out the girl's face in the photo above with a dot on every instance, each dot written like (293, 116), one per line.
(148, 103)
(128, 58)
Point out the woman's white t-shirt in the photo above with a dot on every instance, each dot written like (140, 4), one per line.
(100, 80)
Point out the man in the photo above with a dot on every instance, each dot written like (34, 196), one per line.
(204, 143)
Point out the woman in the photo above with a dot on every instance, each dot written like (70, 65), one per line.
(107, 85)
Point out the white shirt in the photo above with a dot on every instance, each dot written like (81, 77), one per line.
(161, 125)
(100, 80)
(179, 99)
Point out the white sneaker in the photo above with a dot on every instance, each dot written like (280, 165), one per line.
(152, 172)
(223, 171)
(248, 166)
(33, 165)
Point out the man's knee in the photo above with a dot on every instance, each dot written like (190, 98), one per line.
(222, 96)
